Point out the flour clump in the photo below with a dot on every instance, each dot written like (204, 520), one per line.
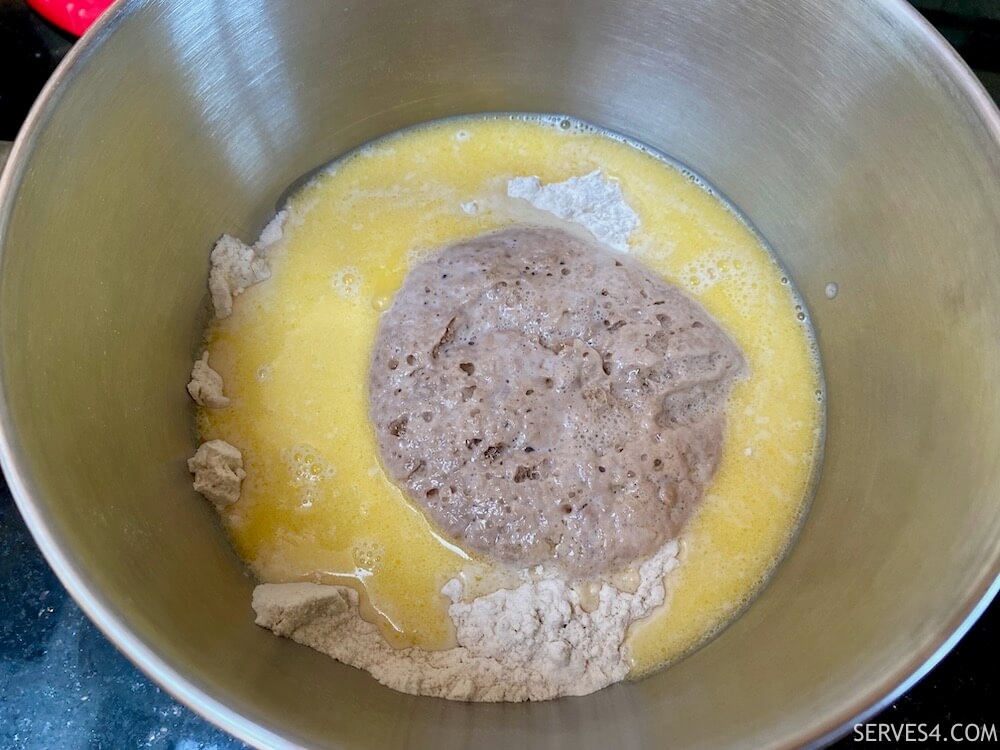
(237, 266)
(218, 472)
(205, 386)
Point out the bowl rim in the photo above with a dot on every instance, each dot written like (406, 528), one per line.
(105, 616)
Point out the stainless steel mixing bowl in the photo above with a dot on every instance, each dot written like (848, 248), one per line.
(850, 133)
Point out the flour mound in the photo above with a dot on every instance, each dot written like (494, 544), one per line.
(534, 642)
(593, 201)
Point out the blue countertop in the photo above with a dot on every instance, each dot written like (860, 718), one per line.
(62, 683)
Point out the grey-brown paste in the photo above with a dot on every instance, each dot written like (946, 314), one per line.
(547, 400)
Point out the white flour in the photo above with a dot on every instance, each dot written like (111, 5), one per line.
(534, 642)
(591, 201)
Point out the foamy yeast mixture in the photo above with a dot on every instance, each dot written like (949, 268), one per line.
(316, 504)
(549, 401)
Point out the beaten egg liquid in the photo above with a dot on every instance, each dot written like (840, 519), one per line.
(294, 357)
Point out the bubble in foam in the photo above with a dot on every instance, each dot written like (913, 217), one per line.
(695, 179)
(832, 289)
(417, 254)
(462, 135)
(563, 123)
(346, 282)
(377, 148)
(302, 207)
(263, 373)
(307, 468)
(367, 554)
(723, 264)
(307, 497)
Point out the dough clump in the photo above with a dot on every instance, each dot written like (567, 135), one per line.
(237, 266)
(218, 472)
(205, 386)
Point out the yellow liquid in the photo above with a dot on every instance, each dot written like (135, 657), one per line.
(294, 357)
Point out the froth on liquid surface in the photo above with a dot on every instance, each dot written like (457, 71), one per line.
(294, 355)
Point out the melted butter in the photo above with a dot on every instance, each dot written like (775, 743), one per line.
(294, 356)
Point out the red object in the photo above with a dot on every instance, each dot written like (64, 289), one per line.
(74, 16)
